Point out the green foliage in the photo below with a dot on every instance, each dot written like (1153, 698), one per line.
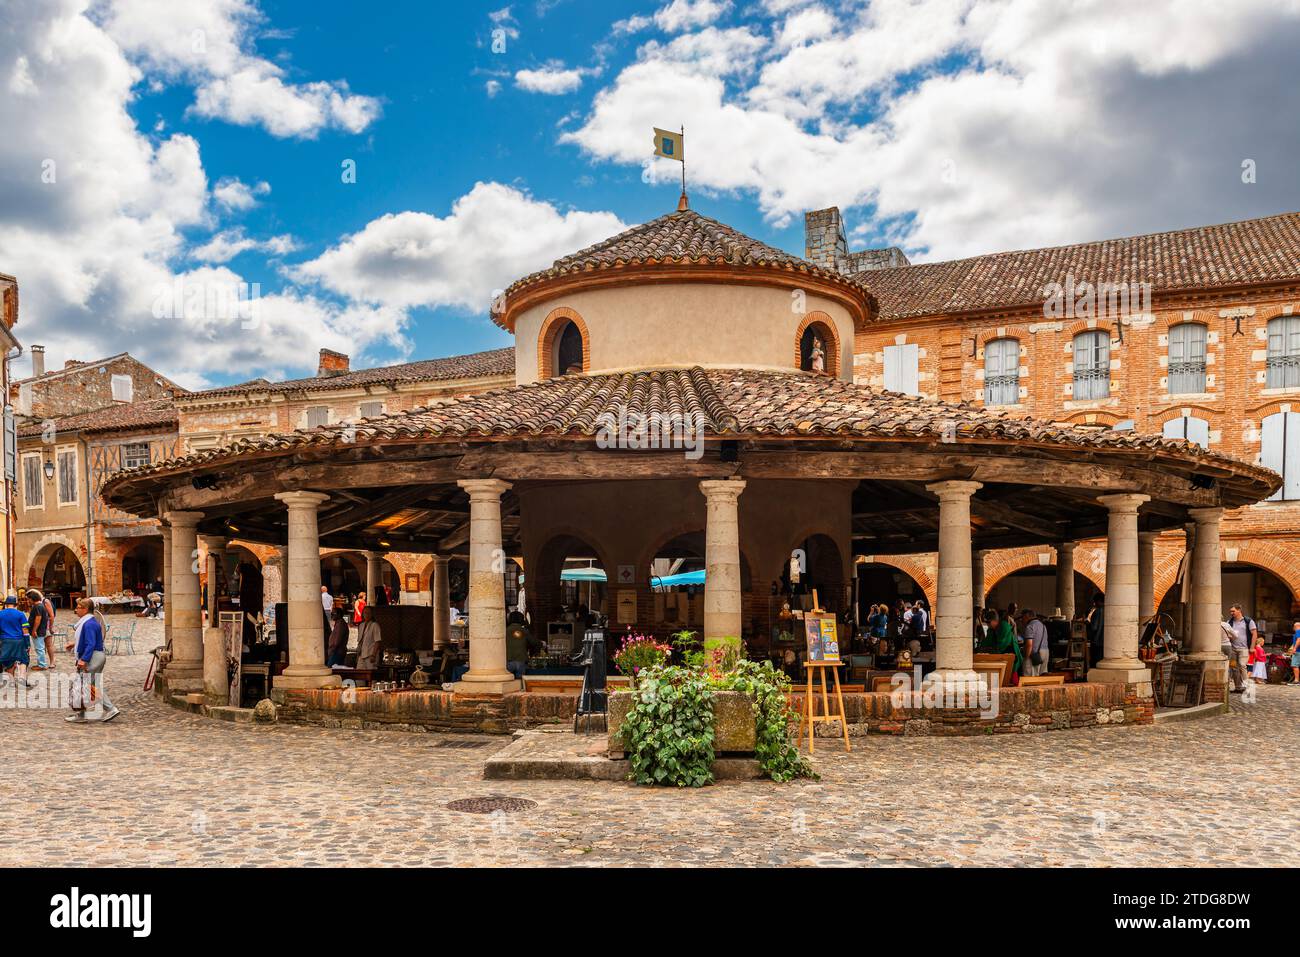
(777, 754)
(668, 731)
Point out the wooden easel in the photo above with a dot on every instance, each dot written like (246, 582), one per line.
(809, 716)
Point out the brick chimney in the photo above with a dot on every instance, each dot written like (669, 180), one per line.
(38, 361)
(332, 363)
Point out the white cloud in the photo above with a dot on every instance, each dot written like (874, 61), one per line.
(493, 235)
(229, 243)
(234, 194)
(550, 80)
(687, 14)
(211, 44)
(94, 248)
(975, 125)
(493, 87)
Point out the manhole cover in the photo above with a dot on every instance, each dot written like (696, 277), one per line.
(486, 805)
(462, 744)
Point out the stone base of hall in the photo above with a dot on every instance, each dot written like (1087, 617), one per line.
(1010, 711)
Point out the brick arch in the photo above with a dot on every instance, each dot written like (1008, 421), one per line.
(913, 568)
(554, 321)
(687, 528)
(1088, 325)
(829, 333)
(1169, 415)
(1269, 556)
(1089, 561)
(46, 541)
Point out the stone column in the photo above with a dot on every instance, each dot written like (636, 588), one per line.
(185, 673)
(723, 610)
(954, 626)
(487, 592)
(284, 572)
(441, 588)
(374, 575)
(977, 579)
(306, 668)
(167, 581)
(216, 687)
(1065, 579)
(1183, 616)
(1207, 594)
(1146, 574)
(1120, 660)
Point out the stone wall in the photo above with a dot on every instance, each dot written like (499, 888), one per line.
(86, 386)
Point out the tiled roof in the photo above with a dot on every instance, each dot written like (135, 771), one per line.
(679, 237)
(725, 402)
(124, 417)
(1252, 251)
(494, 362)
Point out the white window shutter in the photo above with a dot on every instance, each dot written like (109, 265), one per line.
(910, 373)
(1175, 428)
(1272, 442)
(893, 368)
(1291, 458)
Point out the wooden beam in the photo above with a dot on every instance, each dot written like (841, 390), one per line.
(381, 507)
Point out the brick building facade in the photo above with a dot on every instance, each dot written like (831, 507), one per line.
(1194, 334)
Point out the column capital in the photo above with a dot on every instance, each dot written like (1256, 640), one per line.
(184, 519)
(302, 499)
(722, 488)
(1206, 516)
(374, 556)
(1066, 547)
(441, 560)
(484, 489)
(954, 489)
(1123, 501)
(214, 543)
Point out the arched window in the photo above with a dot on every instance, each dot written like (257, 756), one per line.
(1002, 372)
(1092, 364)
(1186, 358)
(563, 346)
(1283, 353)
(817, 346)
(568, 349)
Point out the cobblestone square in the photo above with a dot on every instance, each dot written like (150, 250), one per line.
(177, 789)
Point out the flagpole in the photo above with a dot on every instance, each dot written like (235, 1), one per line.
(683, 160)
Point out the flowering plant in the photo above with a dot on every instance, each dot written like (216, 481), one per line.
(638, 652)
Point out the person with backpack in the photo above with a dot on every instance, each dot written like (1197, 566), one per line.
(1244, 633)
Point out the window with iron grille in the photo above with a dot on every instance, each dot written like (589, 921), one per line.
(1002, 372)
(1283, 353)
(1186, 358)
(135, 454)
(1092, 365)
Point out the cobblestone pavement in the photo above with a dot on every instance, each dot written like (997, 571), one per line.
(174, 788)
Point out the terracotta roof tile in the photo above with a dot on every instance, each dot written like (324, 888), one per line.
(494, 362)
(1252, 251)
(724, 402)
(158, 413)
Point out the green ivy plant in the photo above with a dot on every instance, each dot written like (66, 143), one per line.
(668, 731)
(768, 688)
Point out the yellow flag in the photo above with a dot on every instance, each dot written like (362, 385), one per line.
(670, 145)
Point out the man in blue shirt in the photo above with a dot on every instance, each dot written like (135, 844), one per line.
(89, 643)
(14, 641)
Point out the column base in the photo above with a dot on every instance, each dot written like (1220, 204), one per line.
(1120, 672)
(487, 682)
(308, 679)
(184, 677)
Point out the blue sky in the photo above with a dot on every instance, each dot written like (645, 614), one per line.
(200, 143)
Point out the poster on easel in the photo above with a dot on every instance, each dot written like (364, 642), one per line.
(822, 637)
(232, 639)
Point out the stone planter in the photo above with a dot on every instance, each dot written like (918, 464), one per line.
(733, 723)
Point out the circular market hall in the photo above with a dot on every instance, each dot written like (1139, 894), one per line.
(683, 421)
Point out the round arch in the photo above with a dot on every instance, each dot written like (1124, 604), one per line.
(817, 324)
(547, 339)
(910, 567)
(65, 582)
(1090, 563)
(141, 565)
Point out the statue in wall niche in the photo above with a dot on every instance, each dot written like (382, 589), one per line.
(818, 355)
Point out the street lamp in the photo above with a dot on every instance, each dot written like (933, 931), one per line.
(49, 470)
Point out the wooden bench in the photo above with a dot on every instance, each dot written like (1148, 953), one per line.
(1004, 666)
(1056, 679)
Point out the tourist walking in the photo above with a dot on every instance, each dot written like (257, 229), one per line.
(327, 612)
(1096, 629)
(1244, 633)
(39, 626)
(1036, 648)
(88, 643)
(15, 640)
(1295, 653)
(369, 642)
